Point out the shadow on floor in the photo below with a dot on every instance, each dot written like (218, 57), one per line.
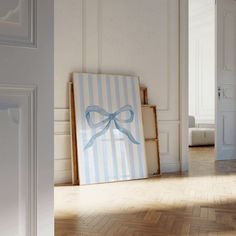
(204, 219)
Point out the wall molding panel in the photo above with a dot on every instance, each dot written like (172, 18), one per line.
(20, 104)
(68, 44)
(169, 146)
(101, 27)
(62, 145)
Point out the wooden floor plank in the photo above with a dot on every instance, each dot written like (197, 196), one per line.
(202, 202)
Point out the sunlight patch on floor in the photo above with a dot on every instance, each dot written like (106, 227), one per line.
(156, 193)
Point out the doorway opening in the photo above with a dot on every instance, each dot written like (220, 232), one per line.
(201, 82)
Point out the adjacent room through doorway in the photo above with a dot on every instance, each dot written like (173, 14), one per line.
(202, 80)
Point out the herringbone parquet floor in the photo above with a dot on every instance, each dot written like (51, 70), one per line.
(200, 203)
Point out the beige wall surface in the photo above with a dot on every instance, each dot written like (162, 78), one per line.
(134, 37)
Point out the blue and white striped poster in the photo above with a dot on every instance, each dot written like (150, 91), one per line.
(109, 128)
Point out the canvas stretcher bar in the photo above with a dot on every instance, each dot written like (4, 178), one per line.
(149, 115)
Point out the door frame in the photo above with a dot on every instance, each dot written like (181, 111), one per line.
(183, 75)
(184, 82)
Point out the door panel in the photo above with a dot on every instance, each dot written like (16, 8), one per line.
(229, 19)
(10, 194)
(26, 118)
(229, 137)
(18, 22)
(226, 79)
(18, 161)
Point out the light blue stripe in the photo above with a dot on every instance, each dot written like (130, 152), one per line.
(137, 124)
(95, 148)
(131, 151)
(83, 128)
(113, 147)
(104, 149)
(122, 151)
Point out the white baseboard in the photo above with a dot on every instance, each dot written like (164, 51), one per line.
(170, 167)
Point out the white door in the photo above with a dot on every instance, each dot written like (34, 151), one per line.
(226, 80)
(26, 118)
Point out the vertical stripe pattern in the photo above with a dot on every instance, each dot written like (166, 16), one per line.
(121, 147)
(129, 147)
(112, 139)
(95, 148)
(104, 149)
(112, 156)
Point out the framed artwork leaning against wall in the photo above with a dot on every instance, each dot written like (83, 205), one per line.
(109, 129)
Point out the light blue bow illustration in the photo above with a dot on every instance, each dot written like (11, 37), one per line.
(105, 124)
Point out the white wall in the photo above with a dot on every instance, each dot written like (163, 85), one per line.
(202, 60)
(136, 37)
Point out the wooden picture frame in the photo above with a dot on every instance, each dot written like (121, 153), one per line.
(74, 153)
